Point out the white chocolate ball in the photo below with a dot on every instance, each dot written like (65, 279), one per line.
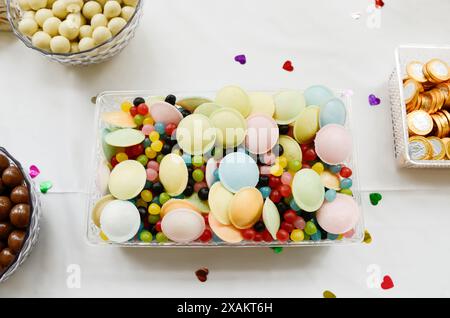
(69, 29)
(91, 8)
(42, 15)
(50, 3)
(98, 20)
(86, 31)
(51, 26)
(24, 5)
(74, 6)
(60, 44)
(59, 9)
(28, 14)
(112, 9)
(101, 35)
(41, 40)
(76, 18)
(37, 4)
(116, 24)
(74, 47)
(86, 44)
(28, 27)
(102, 2)
(127, 13)
(131, 3)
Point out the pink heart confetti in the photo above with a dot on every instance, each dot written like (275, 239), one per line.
(242, 59)
(34, 171)
(373, 100)
(356, 15)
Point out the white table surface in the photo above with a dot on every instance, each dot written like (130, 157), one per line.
(46, 118)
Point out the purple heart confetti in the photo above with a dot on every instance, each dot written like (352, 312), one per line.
(240, 59)
(34, 171)
(373, 100)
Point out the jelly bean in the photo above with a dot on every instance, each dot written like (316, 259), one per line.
(152, 175)
(163, 198)
(274, 182)
(307, 237)
(147, 195)
(157, 145)
(294, 205)
(121, 156)
(158, 226)
(285, 190)
(248, 234)
(286, 178)
(161, 237)
(133, 111)
(154, 136)
(282, 235)
(304, 147)
(310, 155)
(198, 175)
(276, 170)
(153, 165)
(265, 191)
(336, 169)
(305, 166)
(138, 100)
(187, 159)
(197, 161)
(264, 170)
(159, 158)
(287, 226)
(142, 159)
(140, 203)
(216, 174)
(297, 235)
(316, 236)
(332, 237)
(200, 185)
(299, 223)
(206, 236)
(147, 129)
(349, 234)
(103, 236)
(330, 195)
(278, 150)
(134, 151)
(126, 106)
(152, 218)
(275, 196)
(258, 237)
(318, 167)
(154, 209)
(146, 143)
(310, 228)
(138, 119)
(294, 165)
(269, 158)
(148, 185)
(259, 226)
(150, 153)
(148, 121)
(282, 161)
(114, 162)
(142, 109)
(290, 216)
(161, 128)
(170, 128)
(267, 237)
(346, 172)
(346, 183)
(156, 200)
(146, 236)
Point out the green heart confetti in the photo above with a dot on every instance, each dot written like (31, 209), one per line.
(277, 250)
(45, 186)
(375, 198)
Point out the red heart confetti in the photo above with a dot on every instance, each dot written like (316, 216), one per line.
(387, 283)
(287, 66)
(34, 171)
(202, 274)
(379, 4)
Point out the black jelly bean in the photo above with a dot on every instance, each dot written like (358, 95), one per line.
(171, 99)
(157, 188)
(259, 226)
(284, 129)
(189, 190)
(166, 149)
(138, 100)
(203, 193)
(263, 181)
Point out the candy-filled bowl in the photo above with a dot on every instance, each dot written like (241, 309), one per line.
(75, 32)
(225, 169)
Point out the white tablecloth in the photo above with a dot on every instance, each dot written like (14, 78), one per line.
(46, 119)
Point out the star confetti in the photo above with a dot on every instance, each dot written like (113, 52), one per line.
(242, 59)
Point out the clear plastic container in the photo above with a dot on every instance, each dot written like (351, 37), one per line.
(110, 101)
(95, 55)
(403, 55)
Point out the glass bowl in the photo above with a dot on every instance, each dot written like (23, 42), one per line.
(95, 55)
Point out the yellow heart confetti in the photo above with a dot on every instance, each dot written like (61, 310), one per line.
(328, 294)
(367, 237)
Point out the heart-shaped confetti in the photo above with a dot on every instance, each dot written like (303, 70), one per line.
(379, 4)
(367, 237)
(277, 249)
(242, 59)
(202, 274)
(34, 171)
(287, 66)
(45, 186)
(373, 100)
(387, 282)
(375, 198)
(328, 294)
(356, 15)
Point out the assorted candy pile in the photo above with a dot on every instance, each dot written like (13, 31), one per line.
(248, 167)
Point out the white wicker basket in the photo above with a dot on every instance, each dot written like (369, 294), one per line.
(33, 229)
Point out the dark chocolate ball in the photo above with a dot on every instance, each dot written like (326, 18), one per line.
(20, 215)
(171, 99)
(20, 194)
(12, 177)
(138, 100)
(203, 193)
(2, 245)
(2, 187)
(15, 241)
(4, 163)
(5, 229)
(6, 257)
(5, 207)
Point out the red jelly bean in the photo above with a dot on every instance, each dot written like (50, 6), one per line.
(206, 236)
(114, 161)
(142, 109)
(205, 216)
(170, 128)
(274, 182)
(346, 172)
(282, 235)
(290, 216)
(306, 166)
(134, 151)
(304, 147)
(275, 196)
(158, 226)
(299, 223)
(249, 234)
(258, 237)
(287, 226)
(310, 155)
(267, 237)
(133, 111)
(285, 190)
